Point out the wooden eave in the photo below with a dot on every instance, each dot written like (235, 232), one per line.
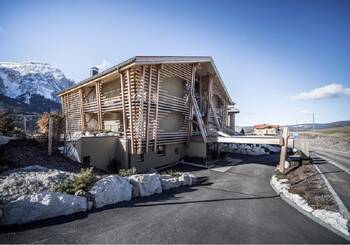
(149, 60)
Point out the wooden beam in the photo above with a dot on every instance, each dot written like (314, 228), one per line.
(123, 104)
(149, 106)
(156, 119)
(190, 117)
(82, 117)
(269, 140)
(210, 92)
(130, 112)
(98, 102)
(283, 150)
(141, 119)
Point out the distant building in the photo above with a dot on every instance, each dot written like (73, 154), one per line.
(266, 129)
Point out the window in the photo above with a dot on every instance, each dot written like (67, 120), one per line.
(141, 158)
(86, 161)
(161, 150)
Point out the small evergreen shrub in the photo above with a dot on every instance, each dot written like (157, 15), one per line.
(173, 173)
(127, 172)
(83, 181)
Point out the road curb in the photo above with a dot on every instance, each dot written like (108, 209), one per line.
(308, 214)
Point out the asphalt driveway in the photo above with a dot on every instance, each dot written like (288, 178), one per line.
(237, 206)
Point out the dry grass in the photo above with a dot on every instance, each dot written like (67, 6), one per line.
(339, 132)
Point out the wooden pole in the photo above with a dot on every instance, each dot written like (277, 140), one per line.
(283, 150)
(130, 112)
(82, 117)
(149, 106)
(156, 119)
(49, 143)
(123, 104)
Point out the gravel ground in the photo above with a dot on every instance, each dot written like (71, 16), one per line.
(307, 182)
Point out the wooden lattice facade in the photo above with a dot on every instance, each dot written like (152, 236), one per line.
(151, 101)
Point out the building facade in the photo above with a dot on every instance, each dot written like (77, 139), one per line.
(154, 110)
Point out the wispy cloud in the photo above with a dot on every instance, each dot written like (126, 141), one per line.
(333, 90)
(105, 64)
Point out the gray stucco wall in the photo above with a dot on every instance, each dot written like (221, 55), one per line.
(153, 160)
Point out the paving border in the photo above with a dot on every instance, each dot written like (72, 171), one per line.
(343, 210)
(308, 214)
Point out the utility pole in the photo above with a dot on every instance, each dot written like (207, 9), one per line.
(313, 121)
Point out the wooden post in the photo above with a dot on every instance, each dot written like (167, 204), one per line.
(283, 150)
(149, 106)
(191, 92)
(123, 104)
(50, 133)
(82, 117)
(98, 102)
(130, 112)
(155, 130)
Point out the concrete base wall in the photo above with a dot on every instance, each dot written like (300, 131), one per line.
(173, 153)
(100, 151)
(196, 149)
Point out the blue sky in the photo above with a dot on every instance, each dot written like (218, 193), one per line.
(279, 59)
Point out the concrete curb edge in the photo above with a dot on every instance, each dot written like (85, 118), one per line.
(308, 214)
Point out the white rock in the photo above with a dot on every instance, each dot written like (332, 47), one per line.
(148, 184)
(187, 179)
(40, 206)
(111, 190)
(170, 182)
(334, 219)
(31, 179)
(286, 164)
(90, 204)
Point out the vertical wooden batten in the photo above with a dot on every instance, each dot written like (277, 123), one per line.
(123, 104)
(156, 119)
(98, 101)
(148, 106)
(82, 116)
(130, 111)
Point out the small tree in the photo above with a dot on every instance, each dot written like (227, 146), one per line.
(7, 122)
(43, 123)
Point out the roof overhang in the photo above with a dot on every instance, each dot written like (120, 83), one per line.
(149, 60)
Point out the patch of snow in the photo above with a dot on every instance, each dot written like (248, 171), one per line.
(70, 151)
(187, 179)
(146, 184)
(28, 180)
(40, 206)
(249, 149)
(5, 139)
(111, 190)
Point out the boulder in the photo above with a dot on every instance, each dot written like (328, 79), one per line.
(111, 190)
(187, 179)
(40, 206)
(169, 182)
(147, 184)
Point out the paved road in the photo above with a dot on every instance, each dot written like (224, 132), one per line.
(336, 168)
(237, 206)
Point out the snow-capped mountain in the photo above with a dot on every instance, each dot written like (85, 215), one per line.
(23, 80)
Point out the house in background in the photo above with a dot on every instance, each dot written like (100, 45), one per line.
(148, 111)
(266, 130)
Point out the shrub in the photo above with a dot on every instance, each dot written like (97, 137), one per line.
(7, 122)
(279, 175)
(83, 181)
(127, 172)
(173, 173)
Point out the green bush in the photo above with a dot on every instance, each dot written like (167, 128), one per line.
(127, 172)
(83, 181)
(7, 122)
(173, 173)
